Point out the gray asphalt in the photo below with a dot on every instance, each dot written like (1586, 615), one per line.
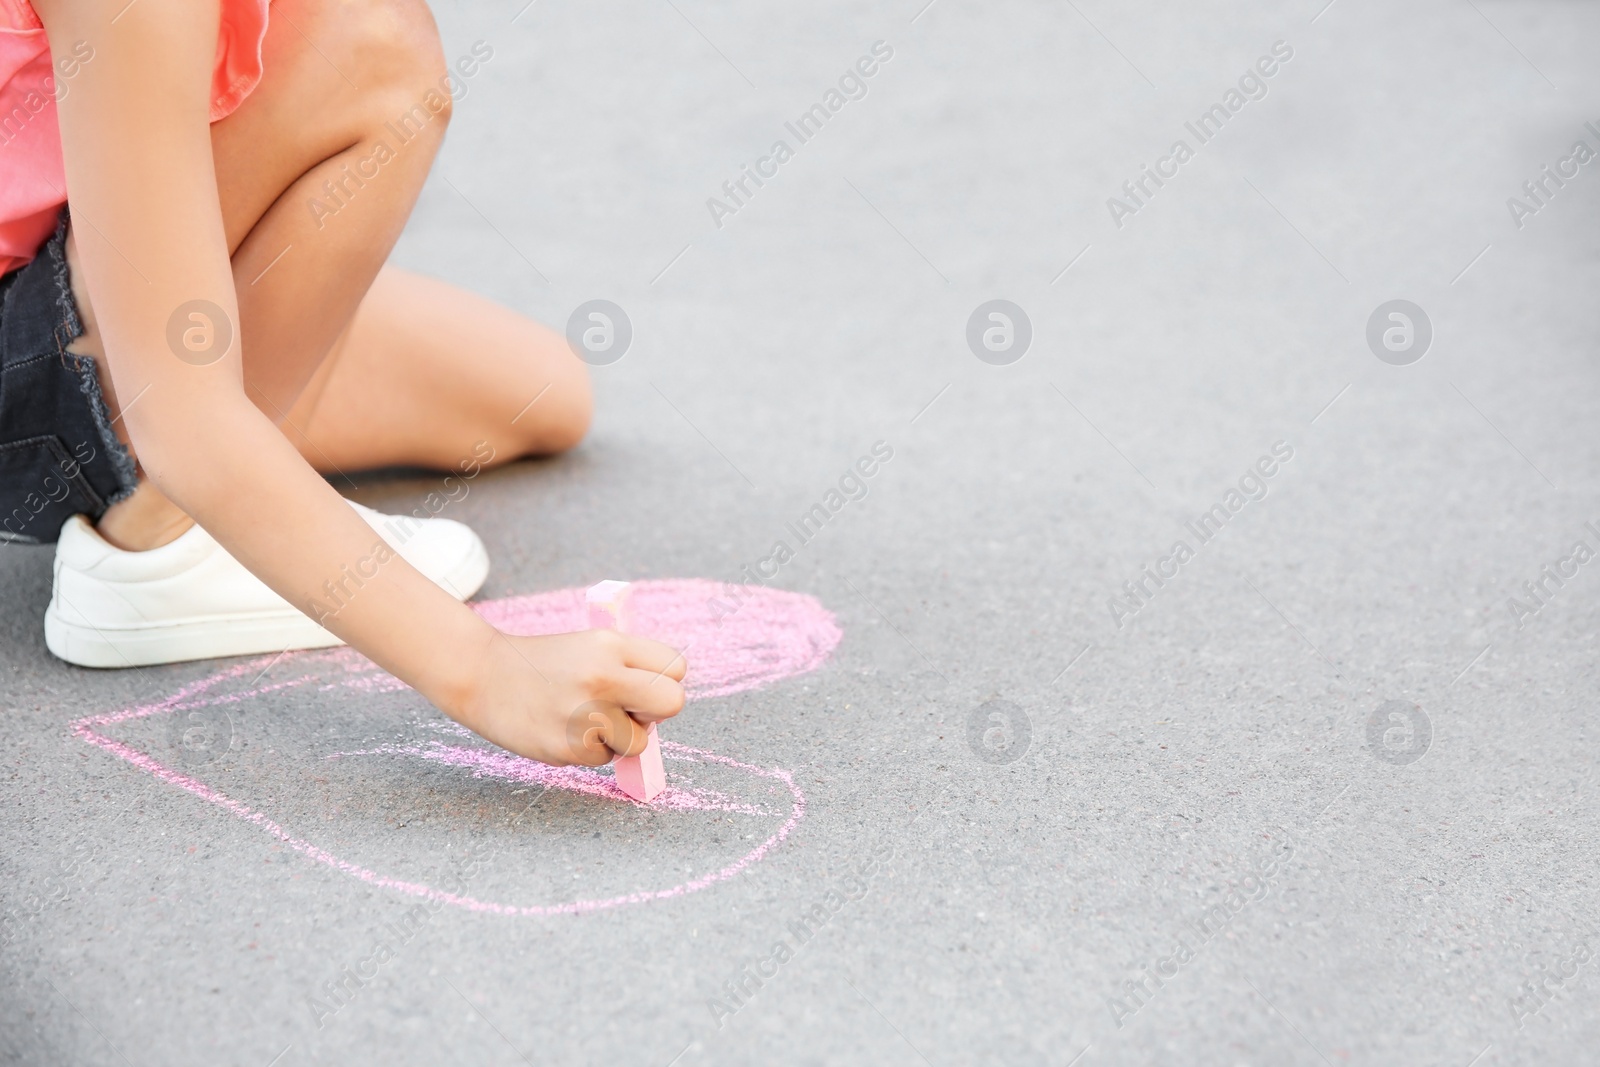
(1320, 796)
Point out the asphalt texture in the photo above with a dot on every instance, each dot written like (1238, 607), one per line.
(1317, 788)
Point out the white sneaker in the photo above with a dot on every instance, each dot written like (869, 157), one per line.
(190, 599)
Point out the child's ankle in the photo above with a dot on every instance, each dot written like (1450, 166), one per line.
(143, 520)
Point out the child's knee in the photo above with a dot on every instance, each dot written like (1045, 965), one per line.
(390, 49)
(557, 422)
(567, 421)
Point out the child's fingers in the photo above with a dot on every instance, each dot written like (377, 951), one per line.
(589, 730)
(599, 731)
(628, 739)
(650, 696)
(646, 655)
(596, 755)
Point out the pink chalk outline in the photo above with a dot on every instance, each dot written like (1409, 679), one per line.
(498, 763)
(784, 634)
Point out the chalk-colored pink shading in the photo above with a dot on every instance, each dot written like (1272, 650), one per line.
(735, 639)
(498, 763)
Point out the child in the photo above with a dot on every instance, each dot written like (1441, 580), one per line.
(186, 341)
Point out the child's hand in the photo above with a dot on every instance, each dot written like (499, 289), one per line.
(574, 698)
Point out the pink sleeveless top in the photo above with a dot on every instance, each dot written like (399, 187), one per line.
(33, 185)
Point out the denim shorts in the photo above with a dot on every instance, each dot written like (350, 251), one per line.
(59, 455)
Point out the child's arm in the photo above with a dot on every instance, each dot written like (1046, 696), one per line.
(147, 220)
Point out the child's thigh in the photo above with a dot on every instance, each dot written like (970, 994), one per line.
(332, 72)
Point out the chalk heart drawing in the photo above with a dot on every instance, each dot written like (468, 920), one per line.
(361, 775)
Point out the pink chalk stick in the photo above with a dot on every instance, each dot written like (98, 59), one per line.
(608, 606)
(642, 777)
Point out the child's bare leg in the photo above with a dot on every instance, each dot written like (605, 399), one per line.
(303, 257)
(426, 372)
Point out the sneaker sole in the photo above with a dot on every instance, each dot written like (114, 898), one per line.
(217, 636)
